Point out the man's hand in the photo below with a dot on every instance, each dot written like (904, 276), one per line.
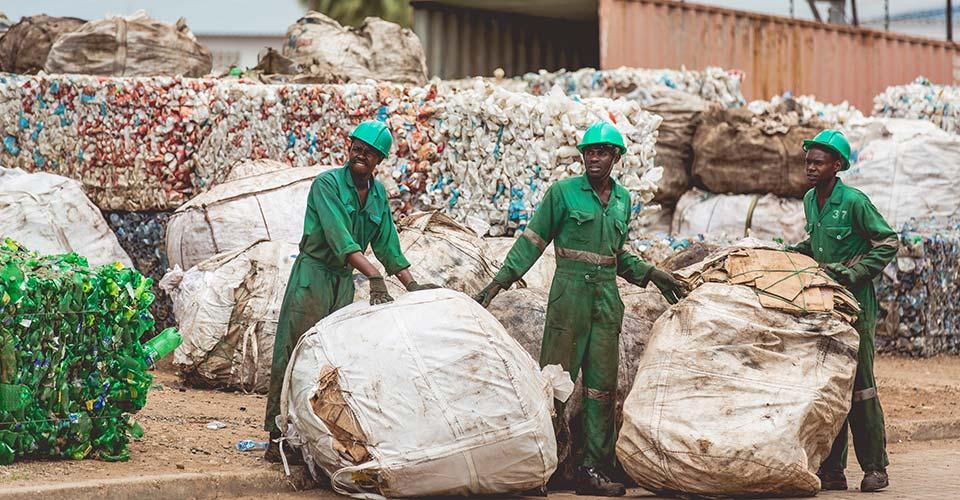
(378, 291)
(844, 275)
(671, 289)
(413, 286)
(487, 294)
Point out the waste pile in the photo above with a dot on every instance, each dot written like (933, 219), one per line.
(51, 215)
(238, 212)
(781, 113)
(72, 366)
(918, 292)
(134, 45)
(712, 411)
(410, 440)
(25, 45)
(227, 309)
(142, 235)
(921, 100)
(733, 216)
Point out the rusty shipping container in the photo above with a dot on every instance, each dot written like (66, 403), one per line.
(833, 62)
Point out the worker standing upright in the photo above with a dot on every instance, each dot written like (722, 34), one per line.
(347, 212)
(586, 217)
(849, 237)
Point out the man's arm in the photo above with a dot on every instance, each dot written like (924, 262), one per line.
(870, 225)
(541, 230)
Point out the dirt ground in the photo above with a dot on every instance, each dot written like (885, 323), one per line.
(177, 438)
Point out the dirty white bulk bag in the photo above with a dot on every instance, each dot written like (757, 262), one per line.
(238, 212)
(727, 215)
(733, 398)
(910, 170)
(426, 395)
(51, 215)
(227, 309)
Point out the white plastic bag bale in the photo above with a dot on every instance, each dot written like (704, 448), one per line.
(539, 276)
(51, 215)
(427, 395)
(236, 213)
(911, 170)
(728, 215)
(227, 309)
(733, 398)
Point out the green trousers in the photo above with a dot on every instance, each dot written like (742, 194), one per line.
(313, 292)
(865, 420)
(582, 332)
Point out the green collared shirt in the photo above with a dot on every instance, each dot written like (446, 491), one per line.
(583, 230)
(335, 225)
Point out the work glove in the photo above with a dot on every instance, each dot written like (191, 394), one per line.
(378, 291)
(413, 286)
(671, 289)
(846, 276)
(487, 294)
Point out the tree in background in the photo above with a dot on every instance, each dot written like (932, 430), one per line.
(352, 12)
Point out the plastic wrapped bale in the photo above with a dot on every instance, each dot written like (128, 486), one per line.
(539, 276)
(731, 215)
(733, 154)
(52, 215)
(378, 49)
(25, 45)
(440, 251)
(236, 213)
(745, 383)
(390, 400)
(523, 312)
(134, 45)
(72, 368)
(227, 309)
(911, 171)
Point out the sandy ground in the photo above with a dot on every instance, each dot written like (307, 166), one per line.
(177, 438)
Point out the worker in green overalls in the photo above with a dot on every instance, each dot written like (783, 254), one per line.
(347, 211)
(853, 242)
(586, 217)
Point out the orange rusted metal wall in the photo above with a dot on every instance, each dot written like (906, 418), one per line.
(833, 62)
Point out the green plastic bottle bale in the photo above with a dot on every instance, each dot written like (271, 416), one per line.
(72, 367)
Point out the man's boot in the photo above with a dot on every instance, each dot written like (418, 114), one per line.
(591, 481)
(874, 480)
(834, 480)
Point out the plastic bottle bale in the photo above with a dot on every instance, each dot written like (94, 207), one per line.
(135, 45)
(729, 216)
(227, 309)
(52, 215)
(741, 393)
(912, 160)
(732, 154)
(234, 214)
(25, 45)
(390, 399)
(539, 276)
(440, 251)
(142, 236)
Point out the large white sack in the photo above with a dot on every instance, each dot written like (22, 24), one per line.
(51, 215)
(910, 169)
(227, 309)
(732, 398)
(725, 216)
(238, 212)
(427, 395)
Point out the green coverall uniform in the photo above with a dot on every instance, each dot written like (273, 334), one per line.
(335, 225)
(584, 312)
(849, 230)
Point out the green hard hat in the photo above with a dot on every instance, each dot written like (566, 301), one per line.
(602, 133)
(835, 141)
(374, 133)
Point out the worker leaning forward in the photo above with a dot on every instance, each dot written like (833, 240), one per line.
(854, 243)
(347, 211)
(586, 217)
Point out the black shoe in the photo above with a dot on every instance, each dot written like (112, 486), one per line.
(832, 480)
(591, 481)
(874, 480)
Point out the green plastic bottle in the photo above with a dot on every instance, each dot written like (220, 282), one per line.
(161, 345)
